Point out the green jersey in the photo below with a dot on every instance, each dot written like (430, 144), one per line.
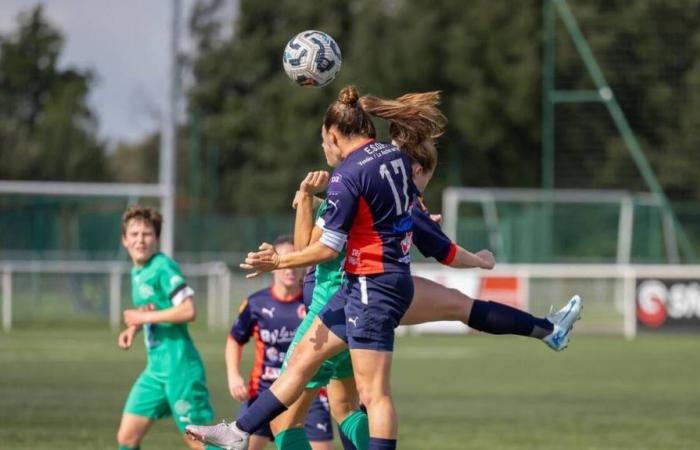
(160, 283)
(329, 274)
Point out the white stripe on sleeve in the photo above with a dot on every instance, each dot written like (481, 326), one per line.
(181, 296)
(333, 239)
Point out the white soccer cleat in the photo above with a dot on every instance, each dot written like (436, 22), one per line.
(563, 321)
(224, 435)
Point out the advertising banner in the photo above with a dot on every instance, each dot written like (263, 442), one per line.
(668, 305)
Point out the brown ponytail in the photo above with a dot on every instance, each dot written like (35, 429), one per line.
(347, 115)
(415, 122)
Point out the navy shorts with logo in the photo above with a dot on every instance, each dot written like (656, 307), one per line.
(367, 309)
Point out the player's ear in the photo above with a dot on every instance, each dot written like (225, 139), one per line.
(417, 169)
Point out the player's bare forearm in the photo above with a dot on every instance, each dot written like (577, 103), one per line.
(303, 220)
(233, 355)
(313, 254)
(184, 312)
(465, 259)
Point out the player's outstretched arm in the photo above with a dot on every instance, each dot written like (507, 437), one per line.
(267, 259)
(465, 259)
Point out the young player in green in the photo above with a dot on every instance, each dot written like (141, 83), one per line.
(173, 382)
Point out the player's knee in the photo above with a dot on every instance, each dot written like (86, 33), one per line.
(371, 396)
(340, 409)
(128, 438)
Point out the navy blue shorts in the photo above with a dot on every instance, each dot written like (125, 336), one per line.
(366, 309)
(318, 425)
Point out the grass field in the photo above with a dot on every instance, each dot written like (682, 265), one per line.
(64, 389)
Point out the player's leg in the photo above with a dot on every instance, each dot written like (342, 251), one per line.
(188, 398)
(344, 403)
(433, 302)
(146, 402)
(317, 345)
(374, 309)
(319, 425)
(288, 427)
(372, 373)
(132, 429)
(262, 436)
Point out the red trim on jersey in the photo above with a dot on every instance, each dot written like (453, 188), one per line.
(296, 298)
(257, 370)
(365, 253)
(450, 255)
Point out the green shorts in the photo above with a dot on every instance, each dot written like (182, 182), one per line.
(337, 367)
(181, 395)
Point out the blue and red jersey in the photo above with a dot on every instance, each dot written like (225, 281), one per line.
(370, 198)
(271, 322)
(429, 238)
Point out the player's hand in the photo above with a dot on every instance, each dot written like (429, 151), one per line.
(265, 260)
(487, 261)
(315, 182)
(237, 388)
(126, 338)
(437, 218)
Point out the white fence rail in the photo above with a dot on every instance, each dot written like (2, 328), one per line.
(610, 291)
(218, 292)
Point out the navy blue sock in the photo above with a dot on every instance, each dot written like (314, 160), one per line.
(497, 318)
(265, 408)
(382, 444)
(347, 443)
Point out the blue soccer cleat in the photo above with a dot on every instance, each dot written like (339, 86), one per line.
(563, 321)
(224, 435)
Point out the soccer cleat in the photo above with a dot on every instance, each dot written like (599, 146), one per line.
(224, 435)
(563, 321)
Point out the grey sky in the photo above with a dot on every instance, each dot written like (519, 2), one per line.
(125, 42)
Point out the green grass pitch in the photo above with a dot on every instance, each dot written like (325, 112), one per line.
(64, 389)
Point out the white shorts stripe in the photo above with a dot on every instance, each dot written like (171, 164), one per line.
(363, 290)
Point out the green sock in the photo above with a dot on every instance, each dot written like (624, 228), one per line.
(211, 447)
(124, 447)
(356, 428)
(292, 439)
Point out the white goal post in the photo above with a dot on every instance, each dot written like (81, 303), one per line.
(487, 199)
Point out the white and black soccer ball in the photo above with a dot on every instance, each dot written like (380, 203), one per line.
(312, 58)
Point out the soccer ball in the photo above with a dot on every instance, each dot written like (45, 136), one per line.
(311, 58)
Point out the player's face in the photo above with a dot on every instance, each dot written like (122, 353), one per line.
(421, 177)
(289, 278)
(140, 241)
(330, 147)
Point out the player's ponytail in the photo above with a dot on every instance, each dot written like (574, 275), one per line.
(415, 122)
(348, 116)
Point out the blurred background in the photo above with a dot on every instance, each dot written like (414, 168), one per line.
(572, 151)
